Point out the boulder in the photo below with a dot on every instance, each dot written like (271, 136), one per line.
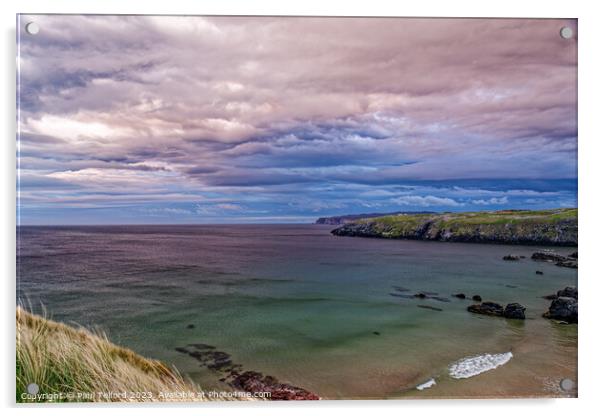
(563, 309)
(487, 308)
(420, 296)
(511, 257)
(538, 272)
(460, 296)
(514, 311)
(567, 292)
(477, 298)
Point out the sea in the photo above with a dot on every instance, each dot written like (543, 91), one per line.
(333, 315)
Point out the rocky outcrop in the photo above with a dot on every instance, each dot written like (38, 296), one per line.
(255, 382)
(547, 227)
(564, 305)
(477, 298)
(557, 259)
(249, 381)
(563, 309)
(568, 292)
(487, 308)
(511, 311)
(514, 311)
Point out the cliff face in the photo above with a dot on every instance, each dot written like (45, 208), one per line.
(547, 227)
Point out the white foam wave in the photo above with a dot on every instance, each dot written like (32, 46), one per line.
(427, 384)
(471, 366)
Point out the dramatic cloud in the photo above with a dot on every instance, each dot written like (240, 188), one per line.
(426, 201)
(230, 119)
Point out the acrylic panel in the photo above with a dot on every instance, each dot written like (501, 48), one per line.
(291, 208)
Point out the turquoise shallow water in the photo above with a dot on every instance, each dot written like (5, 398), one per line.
(299, 304)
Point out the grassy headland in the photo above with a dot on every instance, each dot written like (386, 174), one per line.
(74, 364)
(542, 227)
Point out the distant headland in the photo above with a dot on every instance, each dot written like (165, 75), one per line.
(550, 227)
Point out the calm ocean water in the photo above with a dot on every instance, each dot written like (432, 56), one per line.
(309, 308)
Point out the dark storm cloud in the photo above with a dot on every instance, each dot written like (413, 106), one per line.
(212, 107)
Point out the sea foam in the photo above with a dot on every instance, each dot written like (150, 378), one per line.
(427, 384)
(471, 366)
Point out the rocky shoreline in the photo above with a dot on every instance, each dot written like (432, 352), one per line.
(546, 227)
(249, 381)
(564, 306)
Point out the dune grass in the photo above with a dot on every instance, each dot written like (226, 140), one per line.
(75, 364)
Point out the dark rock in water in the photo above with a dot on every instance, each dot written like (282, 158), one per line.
(253, 381)
(399, 295)
(550, 297)
(190, 326)
(487, 308)
(511, 257)
(376, 333)
(514, 311)
(573, 255)
(567, 263)
(563, 309)
(555, 258)
(547, 256)
(477, 298)
(538, 272)
(567, 292)
(522, 257)
(430, 307)
(250, 381)
(202, 346)
(420, 296)
(218, 360)
(460, 296)
(207, 355)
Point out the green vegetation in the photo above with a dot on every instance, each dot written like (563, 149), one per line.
(547, 227)
(70, 364)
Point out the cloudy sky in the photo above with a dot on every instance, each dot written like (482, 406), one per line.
(229, 120)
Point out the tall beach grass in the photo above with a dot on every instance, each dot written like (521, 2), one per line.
(75, 364)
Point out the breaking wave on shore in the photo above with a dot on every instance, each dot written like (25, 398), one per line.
(472, 366)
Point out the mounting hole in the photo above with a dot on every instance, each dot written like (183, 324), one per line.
(566, 32)
(32, 28)
(567, 384)
(33, 388)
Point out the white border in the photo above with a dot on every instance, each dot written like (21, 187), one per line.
(590, 34)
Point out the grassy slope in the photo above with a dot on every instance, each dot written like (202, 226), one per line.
(62, 359)
(510, 225)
